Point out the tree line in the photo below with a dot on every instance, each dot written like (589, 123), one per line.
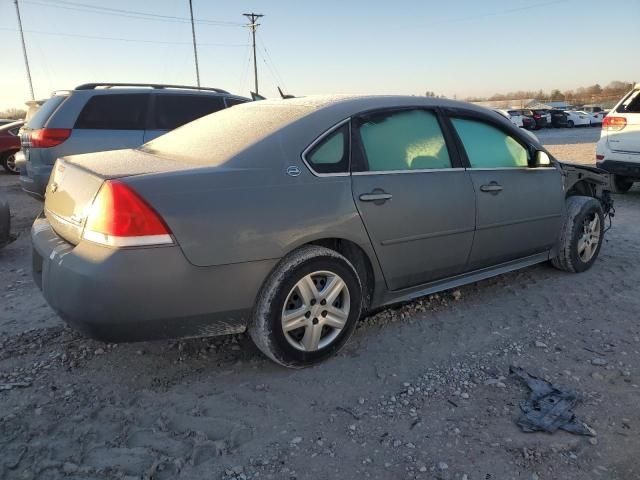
(581, 95)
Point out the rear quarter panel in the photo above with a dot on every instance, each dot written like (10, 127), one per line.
(232, 214)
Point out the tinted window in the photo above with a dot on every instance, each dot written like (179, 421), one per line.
(407, 140)
(631, 104)
(114, 112)
(43, 113)
(172, 111)
(331, 154)
(489, 147)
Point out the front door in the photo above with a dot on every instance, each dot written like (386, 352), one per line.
(519, 207)
(417, 207)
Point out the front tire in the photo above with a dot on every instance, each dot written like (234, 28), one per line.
(581, 235)
(570, 124)
(307, 308)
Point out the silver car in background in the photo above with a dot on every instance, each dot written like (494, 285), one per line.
(291, 218)
(108, 116)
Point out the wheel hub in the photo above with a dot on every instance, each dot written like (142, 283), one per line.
(315, 311)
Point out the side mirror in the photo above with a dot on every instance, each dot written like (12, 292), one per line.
(542, 159)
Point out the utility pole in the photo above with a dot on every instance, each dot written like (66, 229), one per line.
(195, 49)
(253, 25)
(24, 50)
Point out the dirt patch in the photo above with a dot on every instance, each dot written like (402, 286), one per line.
(421, 391)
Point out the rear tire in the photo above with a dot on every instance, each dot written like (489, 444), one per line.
(581, 235)
(621, 184)
(296, 289)
(8, 161)
(570, 124)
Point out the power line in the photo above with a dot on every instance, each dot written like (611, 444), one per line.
(253, 25)
(119, 39)
(279, 77)
(24, 50)
(67, 5)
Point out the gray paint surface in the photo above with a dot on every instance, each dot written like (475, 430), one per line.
(234, 211)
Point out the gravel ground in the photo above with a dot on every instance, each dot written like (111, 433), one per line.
(421, 391)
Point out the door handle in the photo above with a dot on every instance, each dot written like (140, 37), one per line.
(493, 187)
(375, 197)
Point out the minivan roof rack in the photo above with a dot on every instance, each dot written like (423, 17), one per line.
(93, 86)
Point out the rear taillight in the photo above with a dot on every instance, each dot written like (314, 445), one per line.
(119, 217)
(614, 123)
(599, 157)
(48, 137)
(536, 116)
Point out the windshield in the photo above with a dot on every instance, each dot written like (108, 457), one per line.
(213, 139)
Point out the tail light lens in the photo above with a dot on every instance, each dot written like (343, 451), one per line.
(599, 157)
(119, 217)
(614, 123)
(48, 137)
(536, 116)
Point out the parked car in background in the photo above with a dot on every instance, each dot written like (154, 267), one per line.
(528, 123)
(558, 118)
(596, 118)
(5, 222)
(618, 150)
(314, 211)
(98, 116)
(10, 145)
(577, 118)
(592, 109)
(539, 117)
(512, 116)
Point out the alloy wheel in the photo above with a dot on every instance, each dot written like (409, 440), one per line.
(591, 233)
(11, 163)
(316, 310)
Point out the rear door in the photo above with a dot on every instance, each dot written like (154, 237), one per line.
(625, 138)
(519, 208)
(171, 111)
(110, 122)
(416, 200)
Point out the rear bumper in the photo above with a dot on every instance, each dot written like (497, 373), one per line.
(622, 168)
(34, 180)
(142, 293)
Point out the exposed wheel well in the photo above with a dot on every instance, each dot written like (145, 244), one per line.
(583, 188)
(359, 259)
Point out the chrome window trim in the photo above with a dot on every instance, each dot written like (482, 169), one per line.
(490, 169)
(417, 170)
(322, 136)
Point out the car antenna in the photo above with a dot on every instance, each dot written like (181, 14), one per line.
(283, 96)
(256, 96)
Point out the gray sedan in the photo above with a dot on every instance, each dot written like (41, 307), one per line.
(292, 218)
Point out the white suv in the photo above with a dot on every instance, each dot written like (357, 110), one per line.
(618, 150)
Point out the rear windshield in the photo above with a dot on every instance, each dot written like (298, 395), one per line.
(44, 112)
(213, 139)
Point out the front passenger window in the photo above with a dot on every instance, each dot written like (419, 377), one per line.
(489, 147)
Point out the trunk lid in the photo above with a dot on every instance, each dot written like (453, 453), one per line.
(76, 180)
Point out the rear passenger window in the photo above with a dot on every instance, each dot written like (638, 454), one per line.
(331, 154)
(114, 112)
(405, 140)
(489, 147)
(173, 111)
